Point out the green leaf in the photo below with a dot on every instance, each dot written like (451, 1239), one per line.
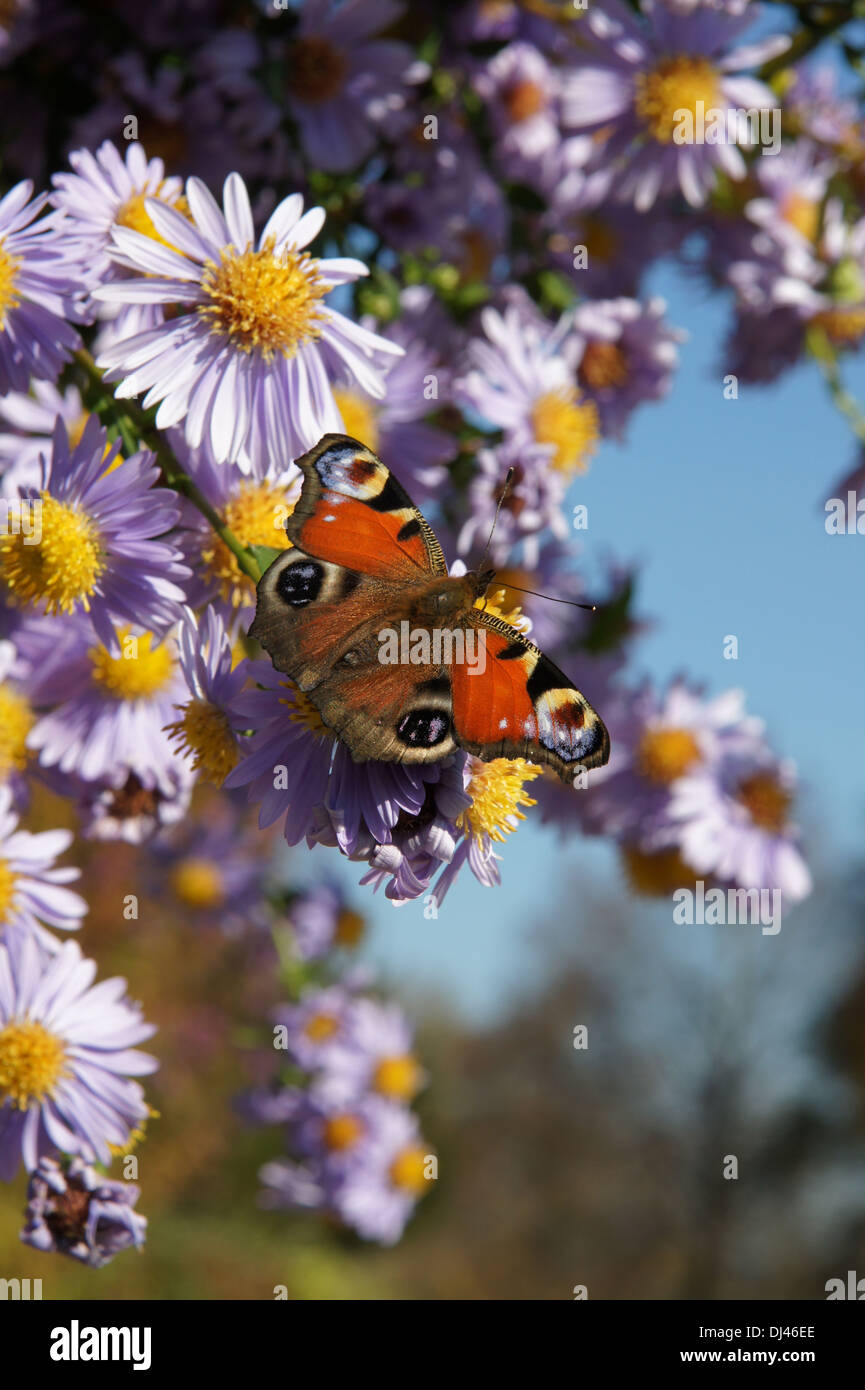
(264, 555)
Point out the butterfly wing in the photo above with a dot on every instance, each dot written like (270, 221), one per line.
(522, 706)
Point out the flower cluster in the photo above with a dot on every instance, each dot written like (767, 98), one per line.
(431, 232)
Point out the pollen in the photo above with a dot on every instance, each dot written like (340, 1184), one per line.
(570, 425)
(198, 883)
(497, 793)
(663, 755)
(63, 567)
(32, 1061)
(359, 416)
(803, 214)
(141, 671)
(263, 302)
(136, 1136)
(8, 880)
(398, 1078)
(350, 927)
(655, 874)
(16, 721)
(604, 365)
(317, 70)
(134, 214)
(524, 100)
(256, 515)
(204, 734)
(676, 84)
(303, 711)
(9, 295)
(408, 1170)
(342, 1132)
(765, 800)
(843, 324)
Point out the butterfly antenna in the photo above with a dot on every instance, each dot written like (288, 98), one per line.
(509, 477)
(590, 607)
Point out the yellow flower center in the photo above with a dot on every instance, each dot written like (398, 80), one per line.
(398, 1078)
(16, 721)
(573, 429)
(599, 239)
(359, 416)
(205, 734)
(303, 711)
(31, 1063)
(676, 84)
(603, 365)
(349, 928)
(765, 800)
(341, 1132)
(7, 889)
(256, 514)
(658, 874)
(497, 792)
(663, 755)
(62, 565)
(408, 1170)
(9, 295)
(321, 1028)
(803, 214)
(134, 214)
(139, 672)
(524, 99)
(316, 69)
(198, 883)
(263, 302)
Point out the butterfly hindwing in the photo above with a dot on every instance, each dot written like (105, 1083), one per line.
(522, 706)
(353, 512)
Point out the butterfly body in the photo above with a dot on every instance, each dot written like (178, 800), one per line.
(393, 652)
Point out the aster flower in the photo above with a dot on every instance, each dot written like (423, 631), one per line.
(521, 92)
(372, 1051)
(657, 740)
(626, 355)
(532, 504)
(67, 1051)
(206, 732)
(77, 1211)
(131, 811)
(246, 363)
(518, 380)
(318, 1027)
(32, 417)
(321, 919)
(733, 821)
(214, 871)
(640, 72)
(104, 715)
(16, 720)
(33, 892)
(37, 293)
(98, 550)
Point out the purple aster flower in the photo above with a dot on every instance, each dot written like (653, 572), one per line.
(533, 502)
(37, 293)
(214, 870)
(105, 715)
(814, 104)
(77, 1211)
(247, 361)
(33, 418)
(318, 1027)
(33, 892)
(392, 1168)
(321, 919)
(395, 427)
(521, 92)
(626, 354)
(99, 549)
(130, 811)
(733, 821)
(16, 721)
(206, 733)
(67, 1051)
(371, 1052)
(656, 741)
(343, 86)
(641, 73)
(518, 379)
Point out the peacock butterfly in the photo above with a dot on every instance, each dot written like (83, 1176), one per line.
(365, 565)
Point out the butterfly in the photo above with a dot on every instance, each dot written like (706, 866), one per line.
(364, 566)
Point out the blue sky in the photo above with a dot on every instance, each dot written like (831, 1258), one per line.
(722, 503)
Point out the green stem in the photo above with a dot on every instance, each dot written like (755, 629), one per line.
(135, 430)
(848, 406)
